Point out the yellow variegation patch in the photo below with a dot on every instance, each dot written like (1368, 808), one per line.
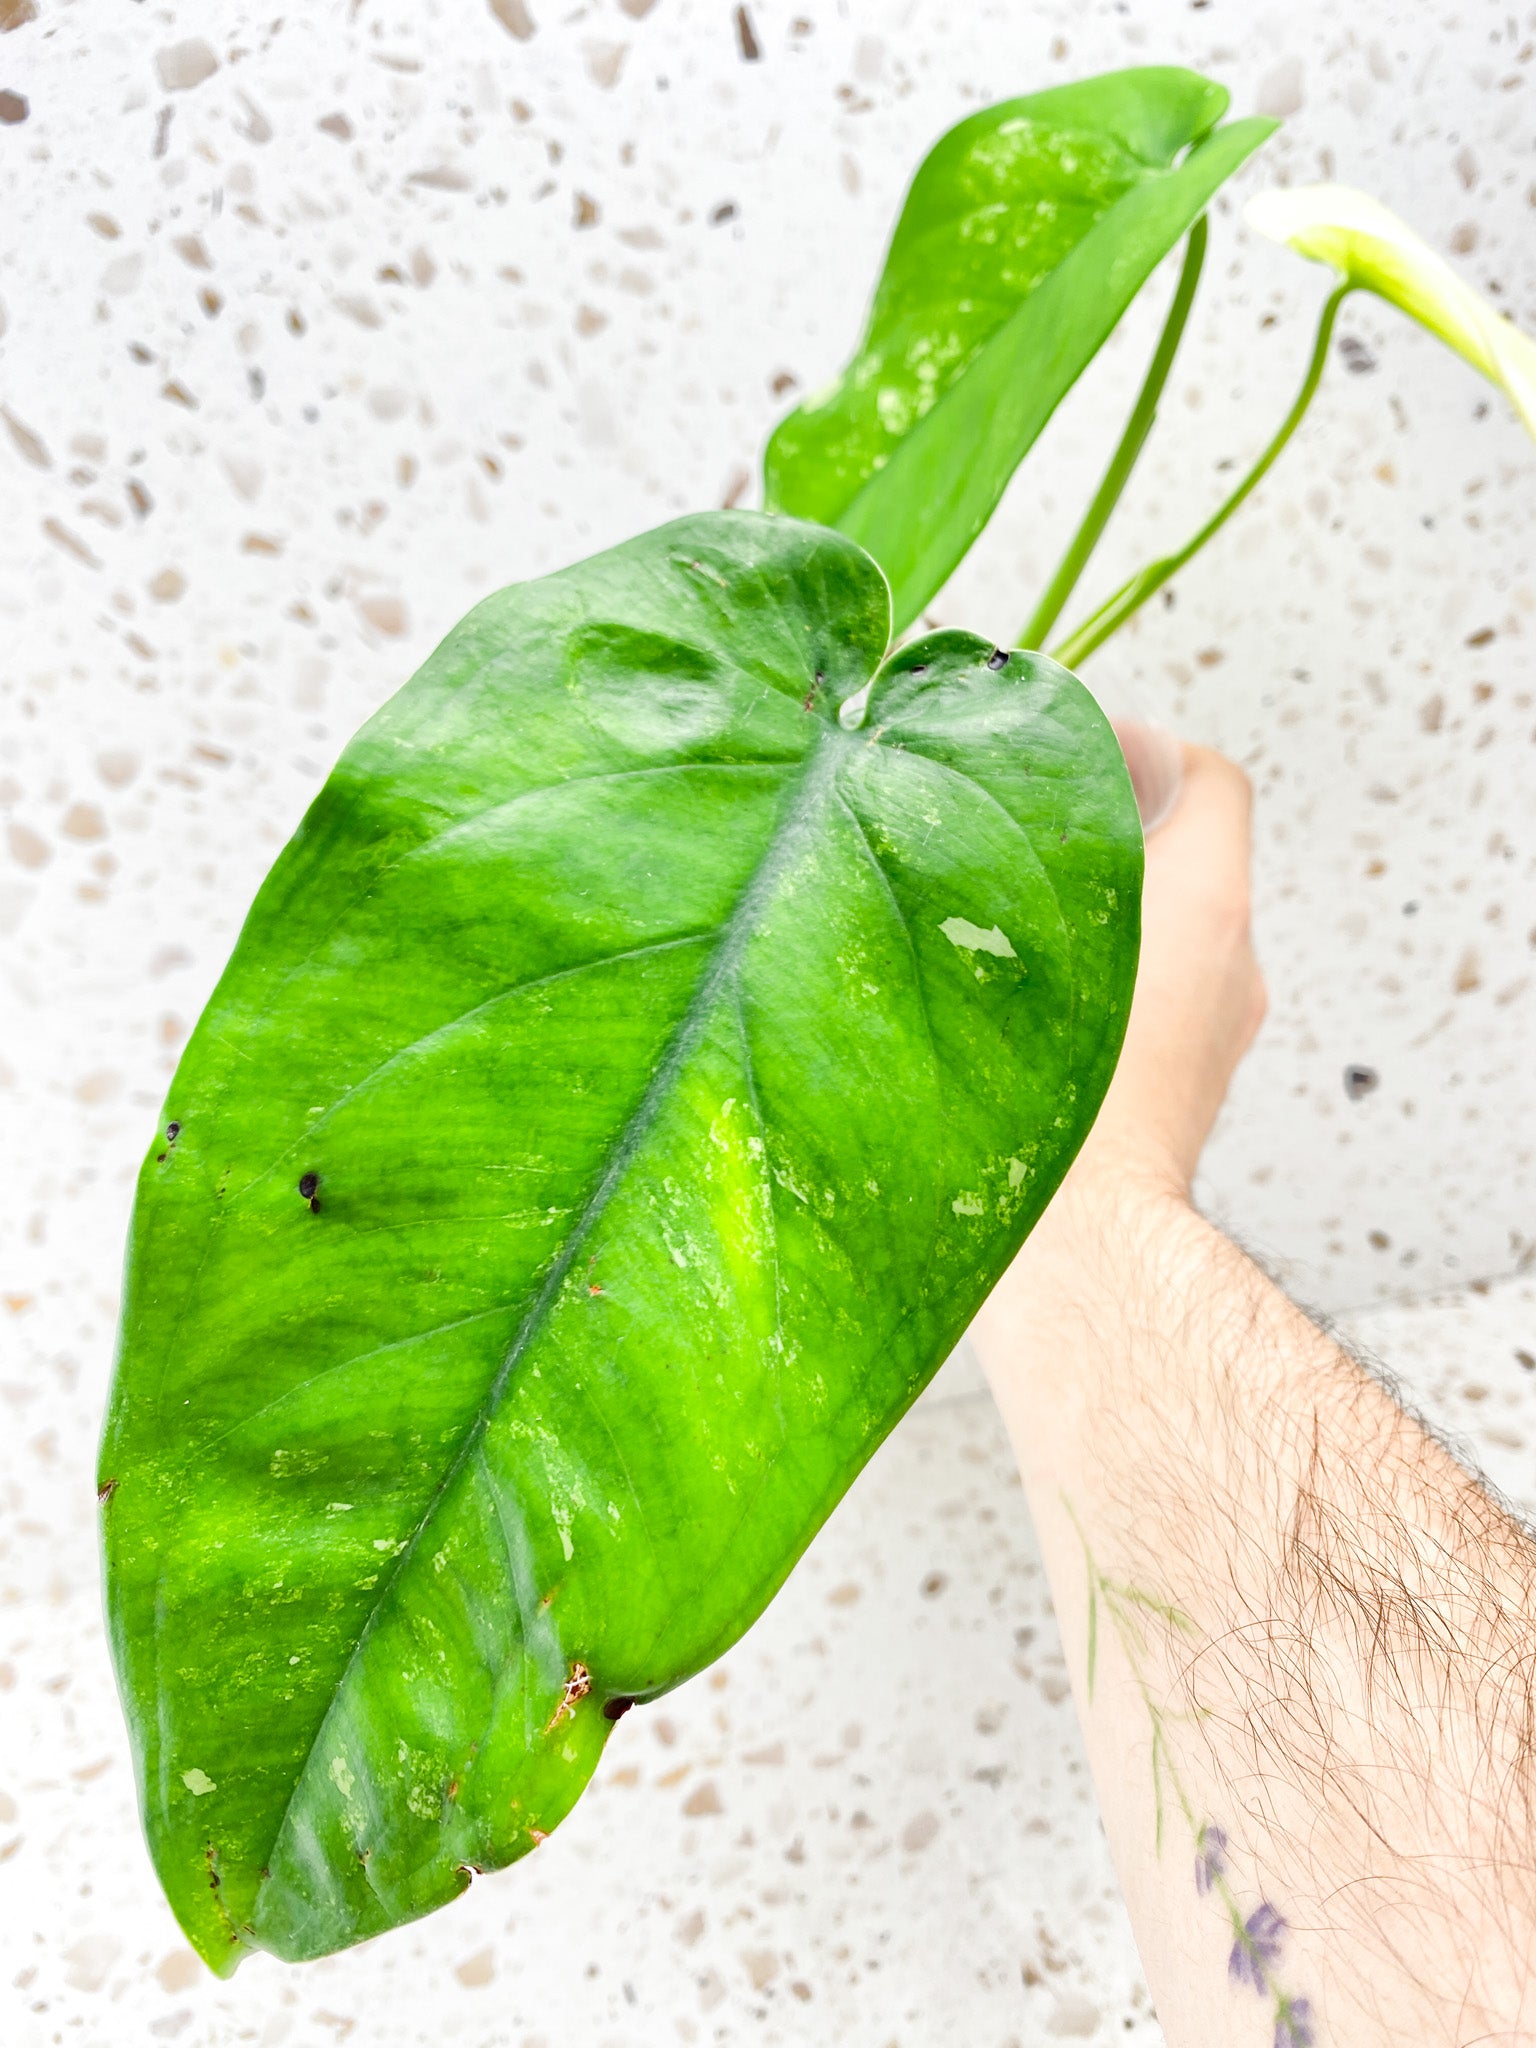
(1367, 244)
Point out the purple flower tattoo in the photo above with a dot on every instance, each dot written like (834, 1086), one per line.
(1293, 2024)
(1210, 1857)
(1258, 1953)
(1257, 1950)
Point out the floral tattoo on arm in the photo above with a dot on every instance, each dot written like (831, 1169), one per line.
(1257, 1956)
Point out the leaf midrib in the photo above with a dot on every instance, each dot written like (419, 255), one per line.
(820, 765)
(434, 840)
(457, 1022)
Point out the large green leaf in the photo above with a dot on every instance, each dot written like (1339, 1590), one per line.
(627, 1085)
(1028, 230)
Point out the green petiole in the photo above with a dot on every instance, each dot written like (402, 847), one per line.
(1126, 455)
(1132, 595)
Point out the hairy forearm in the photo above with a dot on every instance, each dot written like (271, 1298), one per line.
(1312, 1638)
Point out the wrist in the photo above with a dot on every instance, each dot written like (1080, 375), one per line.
(1072, 1326)
(1114, 1219)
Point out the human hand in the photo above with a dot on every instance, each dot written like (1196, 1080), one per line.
(1199, 994)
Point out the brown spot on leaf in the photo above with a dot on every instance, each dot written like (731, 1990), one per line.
(577, 1686)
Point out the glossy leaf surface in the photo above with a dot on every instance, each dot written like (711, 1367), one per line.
(1028, 230)
(627, 1085)
(1372, 249)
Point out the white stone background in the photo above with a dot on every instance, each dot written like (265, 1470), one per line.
(397, 305)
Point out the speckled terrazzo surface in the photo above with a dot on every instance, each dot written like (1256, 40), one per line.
(314, 329)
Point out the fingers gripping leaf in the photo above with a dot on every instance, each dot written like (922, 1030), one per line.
(1027, 232)
(627, 1085)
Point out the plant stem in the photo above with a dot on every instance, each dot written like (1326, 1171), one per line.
(1124, 460)
(1130, 597)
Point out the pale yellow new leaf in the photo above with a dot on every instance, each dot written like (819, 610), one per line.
(1370, 247)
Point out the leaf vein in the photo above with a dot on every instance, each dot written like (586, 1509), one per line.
(732, 936)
